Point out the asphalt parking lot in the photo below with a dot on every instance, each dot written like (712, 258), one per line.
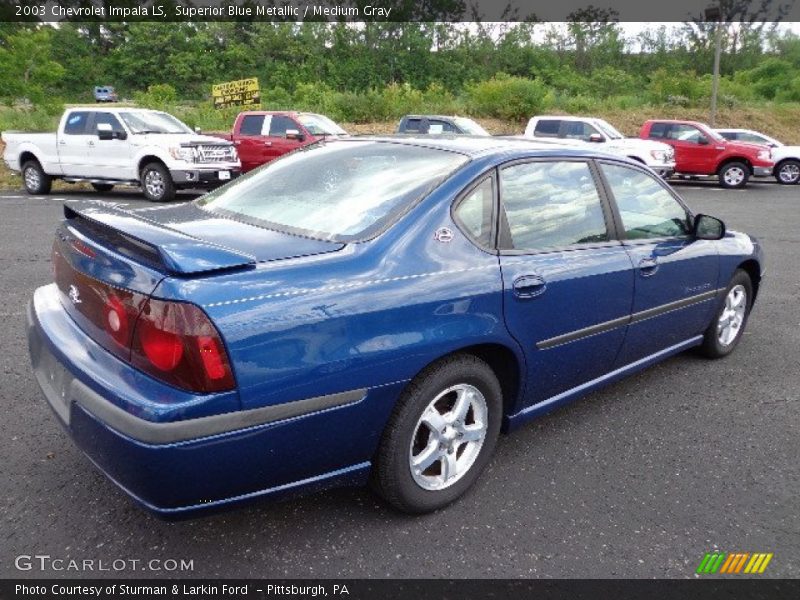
(637, 480)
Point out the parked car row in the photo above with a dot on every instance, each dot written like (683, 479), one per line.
(152, 149)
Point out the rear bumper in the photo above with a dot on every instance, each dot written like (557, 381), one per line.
(181, 466)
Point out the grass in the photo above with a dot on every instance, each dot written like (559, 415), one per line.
(777, 120)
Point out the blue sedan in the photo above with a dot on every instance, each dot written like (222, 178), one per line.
(370, 310)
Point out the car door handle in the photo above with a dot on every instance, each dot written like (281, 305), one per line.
(90, 143)
(62, 143)
(268, 143)
(648, 267)
(237, 143)
(529, 286)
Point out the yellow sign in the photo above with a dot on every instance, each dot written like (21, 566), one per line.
(244, 92)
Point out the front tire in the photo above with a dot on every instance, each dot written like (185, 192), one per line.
(788, 172)
(157, 183)
(441, 435)
(734, 175)
(103, 187)
(727, 327)
(34, 178)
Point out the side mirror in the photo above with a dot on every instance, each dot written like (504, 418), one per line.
(596, 138)
(198, 130)
(294, 134)
(707, 227)
(702, 140)
(105, 131)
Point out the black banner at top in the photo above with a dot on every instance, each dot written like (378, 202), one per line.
(398, 10)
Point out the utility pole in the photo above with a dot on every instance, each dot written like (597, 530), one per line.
(715, 13)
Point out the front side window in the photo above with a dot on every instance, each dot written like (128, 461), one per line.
(104, 118)
(340, 191)
(578, 130)
(280, 124)
(647, 209)
(474, 212)
(551, 205)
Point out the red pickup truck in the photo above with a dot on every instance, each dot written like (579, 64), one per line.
(699, 150)
(261, 136)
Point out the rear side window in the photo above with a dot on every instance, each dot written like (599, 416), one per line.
(76, 123)
(552, 205)
(729, 135)
(647, 209)
(251, 125)
(474, 212)
(441, 127)
(547, 127)
(412, 125)
(281, 123)
(659, 130)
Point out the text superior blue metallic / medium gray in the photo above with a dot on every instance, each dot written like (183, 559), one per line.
(370, 309)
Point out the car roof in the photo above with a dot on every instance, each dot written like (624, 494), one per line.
(476, 145)
(566, 118)
(443, 117)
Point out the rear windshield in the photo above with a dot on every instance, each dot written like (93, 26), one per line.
(340, 191)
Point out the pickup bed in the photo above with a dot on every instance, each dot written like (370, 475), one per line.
(121, 146)
(659, 157)
(699, 150)
(262, 136)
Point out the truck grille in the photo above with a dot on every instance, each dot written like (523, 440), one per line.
(215, 154)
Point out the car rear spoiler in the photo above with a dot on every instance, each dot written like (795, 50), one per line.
(160, 247)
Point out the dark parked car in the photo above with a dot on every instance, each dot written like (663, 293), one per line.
(370, 309)
(436, 124)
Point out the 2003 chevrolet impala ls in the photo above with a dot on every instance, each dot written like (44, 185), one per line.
(371, 309)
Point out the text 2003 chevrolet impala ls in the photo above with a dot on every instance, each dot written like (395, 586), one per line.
(370, 309)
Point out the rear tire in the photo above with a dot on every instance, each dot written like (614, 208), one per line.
(34, 178)
(788, 172)
(727, 326)
(734, 175)
(157, 183)
(440, 436)
(103, 187)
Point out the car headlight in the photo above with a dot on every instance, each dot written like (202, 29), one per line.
(658, 154)
(765, 154)
(181, 153)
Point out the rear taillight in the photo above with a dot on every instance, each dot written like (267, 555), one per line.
(174, 342)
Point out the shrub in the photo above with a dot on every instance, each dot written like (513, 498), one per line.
(505, 97)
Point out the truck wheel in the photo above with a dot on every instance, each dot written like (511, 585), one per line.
(35, 179)
(440, 436)
(788, 172)
(734, 175)
(157, 183)
(103, 187)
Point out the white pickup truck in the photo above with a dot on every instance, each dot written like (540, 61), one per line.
(121, 146)
(658, 156)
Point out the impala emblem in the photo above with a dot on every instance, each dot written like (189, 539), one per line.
(74, 295)
(444, 235)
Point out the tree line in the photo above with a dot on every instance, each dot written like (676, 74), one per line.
(362, 68)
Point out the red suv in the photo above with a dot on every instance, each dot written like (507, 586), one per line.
(699, 150)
